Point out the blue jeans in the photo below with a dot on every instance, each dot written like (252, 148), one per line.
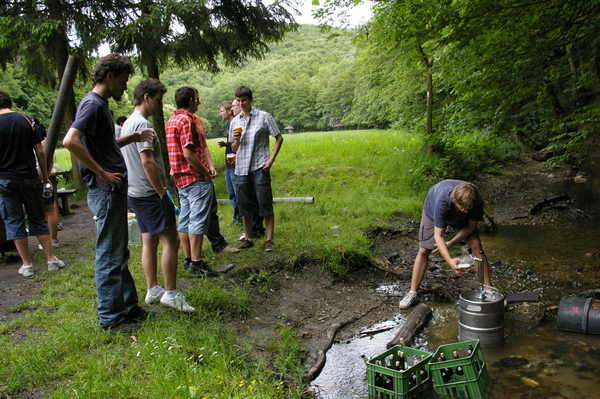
(199, 213)
(14, 194)
(230, 180)
(115, 287)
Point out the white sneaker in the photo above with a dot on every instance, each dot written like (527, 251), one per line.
(26, 270)
(409, 300)
(154, 295)
(177, 302)
(55, 243)
(55, 264)
(242, 237)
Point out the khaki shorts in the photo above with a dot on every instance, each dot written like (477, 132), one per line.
(427, 228)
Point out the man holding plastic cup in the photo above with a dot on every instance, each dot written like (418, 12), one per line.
(251, 130)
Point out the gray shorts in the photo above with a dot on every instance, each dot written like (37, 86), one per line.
(427, 228)
(253, 193)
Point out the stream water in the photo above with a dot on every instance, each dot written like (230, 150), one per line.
(553, 260)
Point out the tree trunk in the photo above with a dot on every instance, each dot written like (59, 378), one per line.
(428, 61)
(429, 117)
(61, 56)
(554, 100)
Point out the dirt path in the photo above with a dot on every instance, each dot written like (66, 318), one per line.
(310, 300)
(14, 288)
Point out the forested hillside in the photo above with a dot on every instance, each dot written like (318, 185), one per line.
(306, 81)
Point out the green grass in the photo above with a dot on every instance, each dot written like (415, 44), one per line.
(62, 159)
(58, 344)
(358, 178)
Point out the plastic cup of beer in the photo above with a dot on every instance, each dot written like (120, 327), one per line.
(237, 132)
(230, 158)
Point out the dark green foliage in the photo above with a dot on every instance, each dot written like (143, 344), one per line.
(463, 155)
(527, 72)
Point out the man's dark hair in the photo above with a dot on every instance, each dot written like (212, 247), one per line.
(115, 63)
(5, 101)
(121, 119)
(150, 86)
(183, 95)
(243, 91)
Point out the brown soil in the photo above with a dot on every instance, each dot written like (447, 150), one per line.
(15, 289)
(312, 301)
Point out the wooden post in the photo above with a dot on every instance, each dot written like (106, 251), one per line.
(60, 108)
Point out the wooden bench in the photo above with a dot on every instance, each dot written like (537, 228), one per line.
(64, 195)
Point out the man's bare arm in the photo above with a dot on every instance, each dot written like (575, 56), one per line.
(41, 156)
(151, 170)
(194, 161)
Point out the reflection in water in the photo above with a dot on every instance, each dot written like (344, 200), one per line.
(552, 260)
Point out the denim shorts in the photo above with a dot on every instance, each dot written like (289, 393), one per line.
(254, 192)
(427, 228)
(154, 214)
(196, 201)
(14, 194)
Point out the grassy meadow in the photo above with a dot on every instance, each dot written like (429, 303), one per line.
(56, 349)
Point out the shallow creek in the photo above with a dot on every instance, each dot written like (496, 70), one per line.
(554, 260)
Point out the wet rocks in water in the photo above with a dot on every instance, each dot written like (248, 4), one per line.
(511, 362)
(530, 382)
(528, 312)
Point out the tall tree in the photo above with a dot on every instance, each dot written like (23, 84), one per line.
(40, 36)
(202, 33)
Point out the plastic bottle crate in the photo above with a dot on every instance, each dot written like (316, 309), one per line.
(400, 379)
(474, 383)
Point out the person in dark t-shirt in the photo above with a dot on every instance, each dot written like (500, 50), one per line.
(20, 185)
(453, 203)
(91, 139)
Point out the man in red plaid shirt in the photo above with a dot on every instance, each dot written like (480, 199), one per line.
(193, 171)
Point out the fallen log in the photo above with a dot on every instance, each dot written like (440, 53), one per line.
(414, 323)
(331, 332)
(537, 208)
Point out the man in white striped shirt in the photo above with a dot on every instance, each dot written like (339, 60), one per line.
(251, 130)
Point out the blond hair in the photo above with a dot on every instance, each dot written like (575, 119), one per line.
(465, 195)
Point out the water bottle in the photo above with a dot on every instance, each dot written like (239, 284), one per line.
(46, 193)
(177, 210)
(134, 229)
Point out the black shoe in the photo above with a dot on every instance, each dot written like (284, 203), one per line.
(124, 327)
(201, 269)
(138, 315)
(186, 264)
